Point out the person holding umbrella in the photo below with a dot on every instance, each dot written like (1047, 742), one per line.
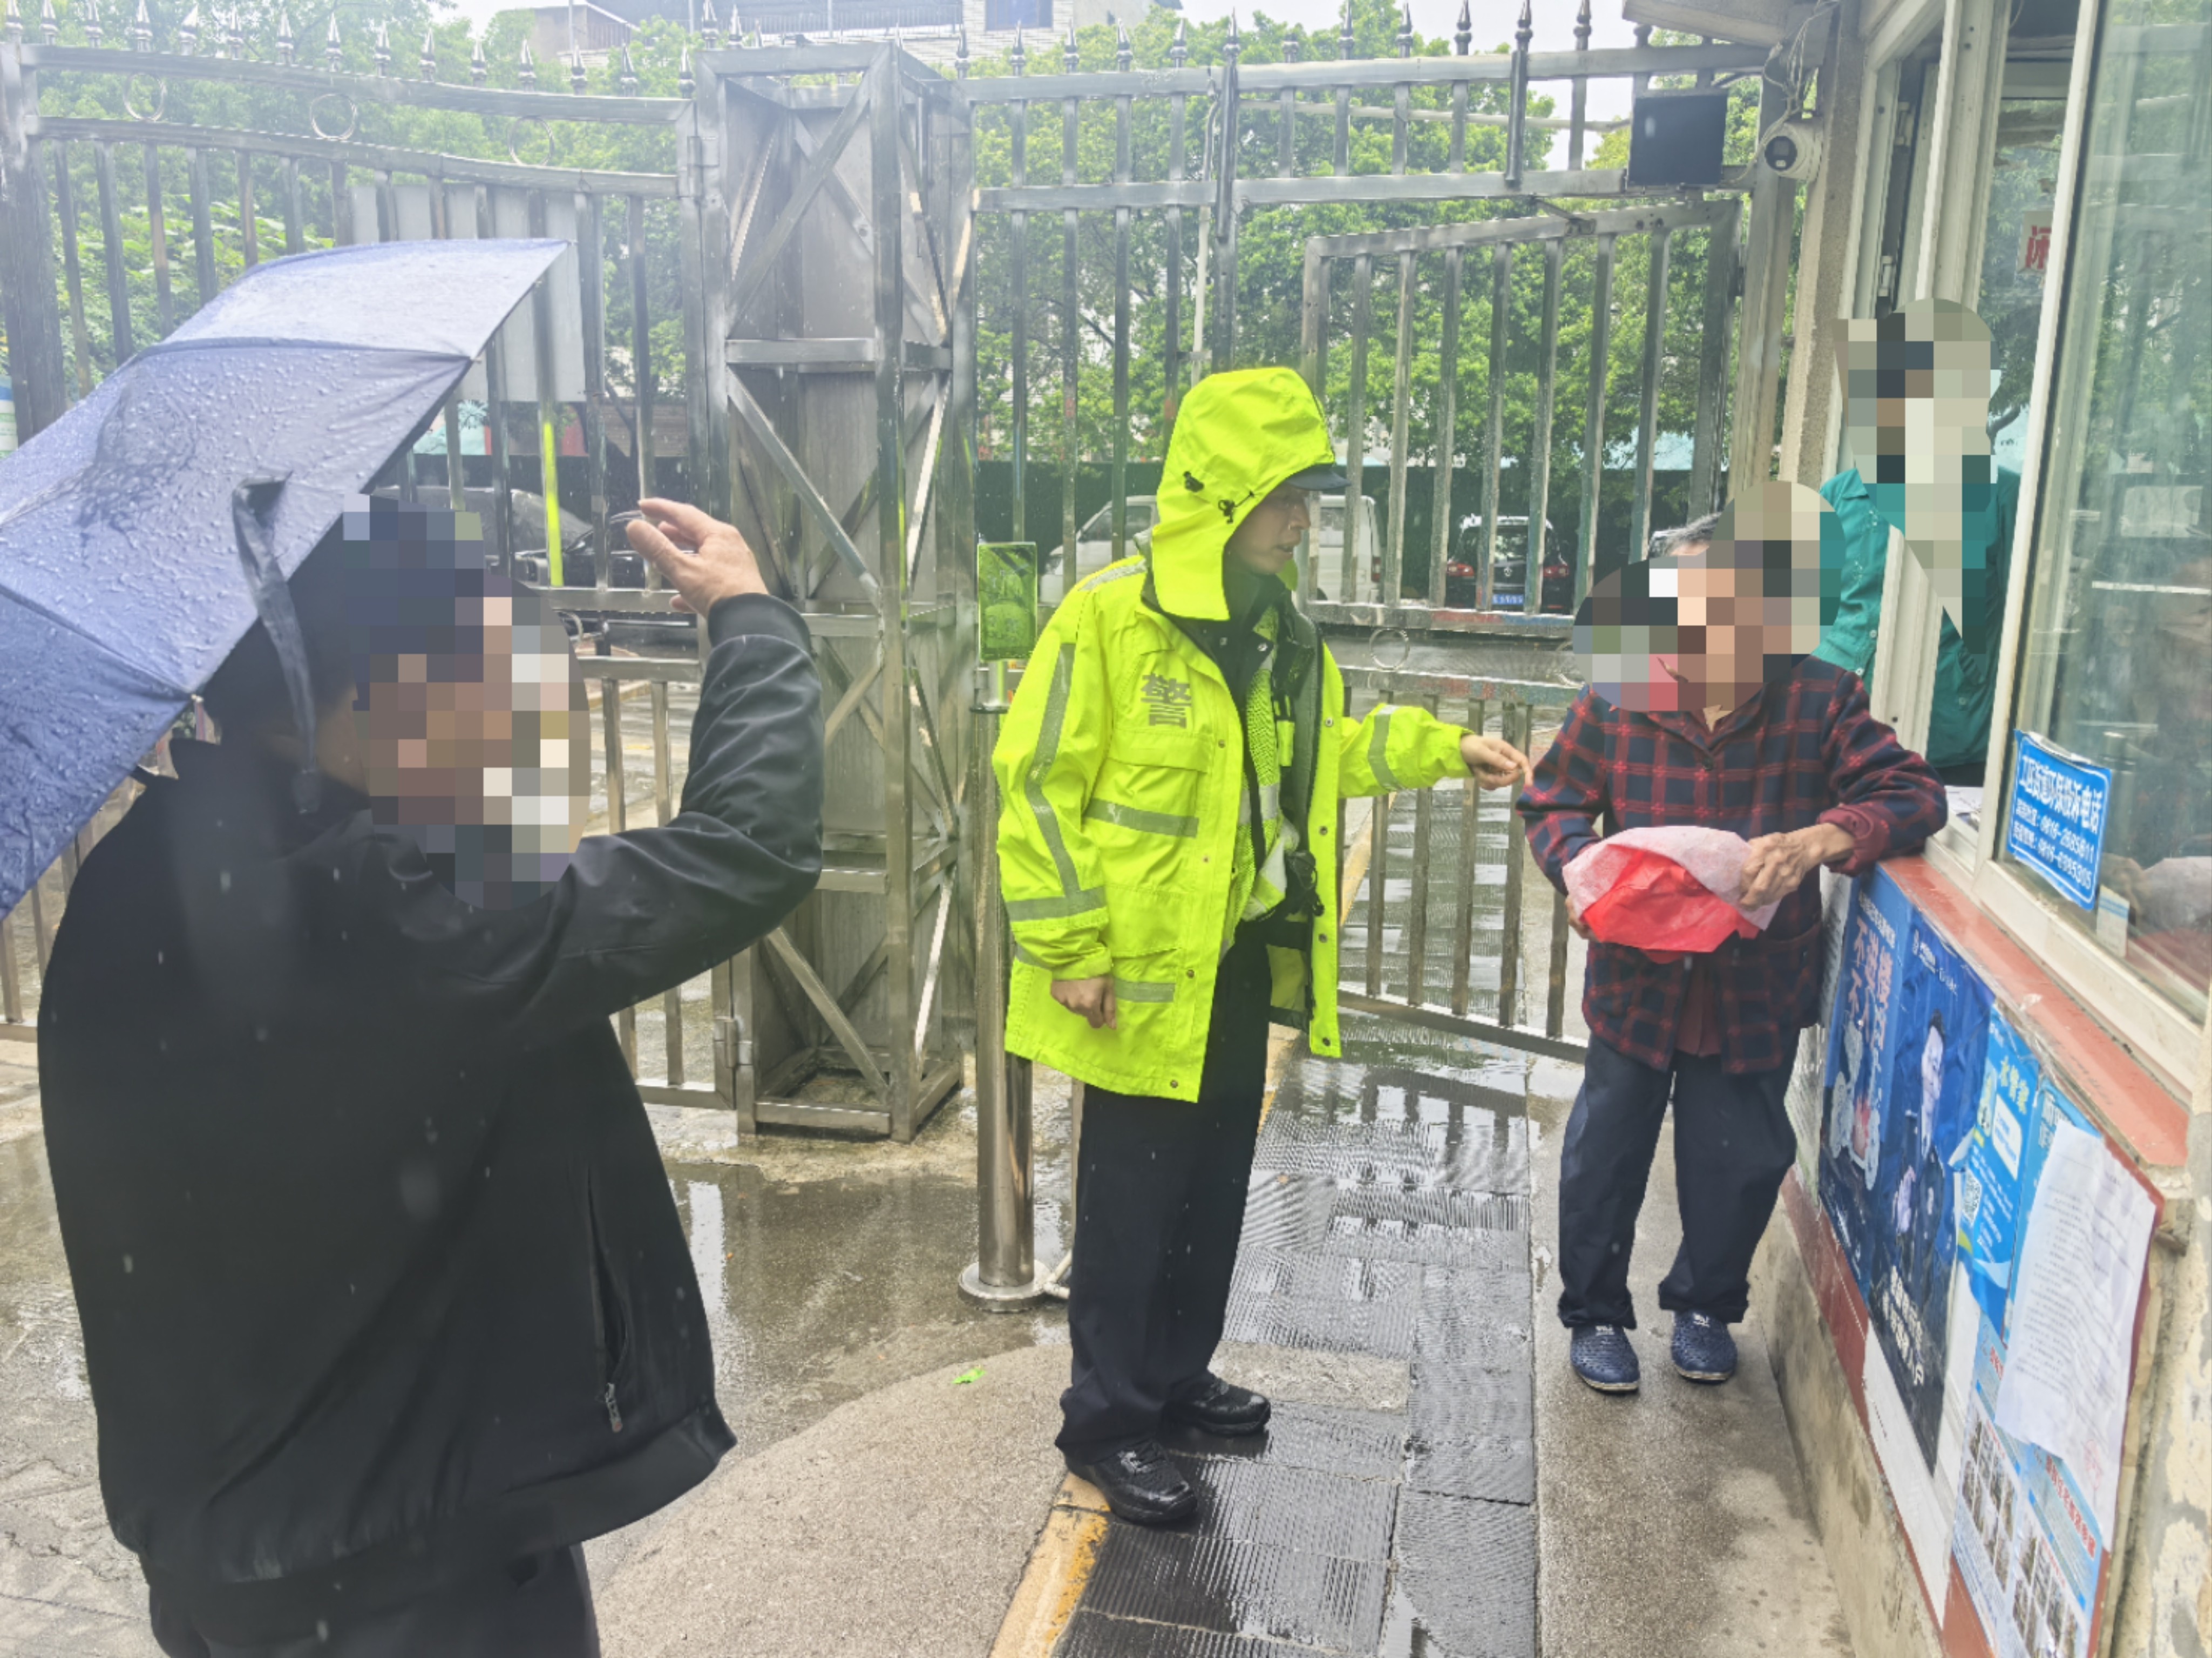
(1172, 767)
(386, 1305)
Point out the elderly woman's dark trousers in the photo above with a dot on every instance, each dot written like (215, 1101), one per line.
(1733, 1144)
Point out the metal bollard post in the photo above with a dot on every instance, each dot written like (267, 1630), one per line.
(1004, 1278)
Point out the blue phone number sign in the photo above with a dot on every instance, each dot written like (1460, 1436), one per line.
(2055, 820)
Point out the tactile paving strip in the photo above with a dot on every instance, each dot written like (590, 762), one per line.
(1357, 1444)
(1466, 1583)
(1498, 1468)
(1239, 1588)
(1092, 1636)
(1388, 1215)
(1299, 1509)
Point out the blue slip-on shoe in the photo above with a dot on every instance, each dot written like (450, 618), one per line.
(1702, 1349)
(1602, 1357)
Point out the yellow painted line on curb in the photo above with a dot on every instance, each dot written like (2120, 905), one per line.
(1058, 1569)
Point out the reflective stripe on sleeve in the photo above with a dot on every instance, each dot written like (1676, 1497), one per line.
(1073, 899)
(1378, 749)
(1078, 903)
(1135, 817)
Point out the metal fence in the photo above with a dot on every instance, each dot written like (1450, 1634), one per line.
(868, 285)
(839, 372)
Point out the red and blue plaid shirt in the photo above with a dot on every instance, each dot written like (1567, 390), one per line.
(1803, 750)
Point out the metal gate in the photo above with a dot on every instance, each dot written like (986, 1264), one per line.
(817, 282)
(843, 373)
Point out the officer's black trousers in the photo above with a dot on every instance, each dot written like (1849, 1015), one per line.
(1160, 1188)
(1733, 1144)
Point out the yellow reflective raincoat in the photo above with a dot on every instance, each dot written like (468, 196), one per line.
(1121, 768)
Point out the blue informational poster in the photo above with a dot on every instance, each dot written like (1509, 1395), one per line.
(2026, 1546)
(1855, 1081)
(1993, 1166)
(1939, 1027)
(2055, 816)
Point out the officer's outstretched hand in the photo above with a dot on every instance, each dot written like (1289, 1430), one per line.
(1092, 997)
(1496, 763)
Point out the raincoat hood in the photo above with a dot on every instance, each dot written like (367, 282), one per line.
(1237, 436)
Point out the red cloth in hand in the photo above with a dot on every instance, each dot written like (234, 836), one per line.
(1657, 906)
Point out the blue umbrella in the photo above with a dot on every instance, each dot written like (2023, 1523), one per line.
(142, 535)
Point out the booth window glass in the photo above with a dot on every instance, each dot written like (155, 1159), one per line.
(2119, 665)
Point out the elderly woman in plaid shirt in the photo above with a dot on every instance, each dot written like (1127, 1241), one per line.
(1744, 734)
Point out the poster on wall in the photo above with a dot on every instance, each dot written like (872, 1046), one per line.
(1904, 1083)
(2052, 1231)
(1998, 1242)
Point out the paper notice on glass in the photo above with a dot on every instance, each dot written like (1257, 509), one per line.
(2071, 1333)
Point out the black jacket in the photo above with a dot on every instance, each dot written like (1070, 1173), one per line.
(380, 1277)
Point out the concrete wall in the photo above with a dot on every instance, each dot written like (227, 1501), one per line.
(1883, 1606)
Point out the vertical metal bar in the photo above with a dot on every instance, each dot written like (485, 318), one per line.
(72, 266)
(249, 228)
(1402, 120)
(1172, 389)
(296, 210)
(1647, 413)
(111, 254)
(387, 207)
(1005, 1242)
(1578, 107)
(549, 429)
(1508, 949)
(1017, 233)
(1716, 334)
(203, 231)
(1121, 433)
(664, 808)
(1501, 305)
(1378, 877)
(884, 209)
(1470, 820)
(1225, 230)
(592, 298)
(42, 939)
(1401, 398)
(503, 472)
(157, 234)
(618, 779)
(1516, 104)
(1355, 429)
(11, 976)
(1416, 918)
(1458, 163)
(1600, 350)
(1070, 342)
(1540, 457)
(1555, 992)
(1313, 334)
(1447, 435)
(1342, 160)
(640, 356)
(1286, 137)
(344, 233)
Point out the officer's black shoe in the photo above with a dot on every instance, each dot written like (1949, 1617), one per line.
(1222, 1408)
(1141, 1484)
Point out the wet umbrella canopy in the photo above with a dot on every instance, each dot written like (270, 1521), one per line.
(121, 586)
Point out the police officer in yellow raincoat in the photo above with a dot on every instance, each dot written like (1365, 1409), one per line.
(1170, 770)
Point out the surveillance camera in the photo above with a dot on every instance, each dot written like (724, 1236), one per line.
(1792, 150)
